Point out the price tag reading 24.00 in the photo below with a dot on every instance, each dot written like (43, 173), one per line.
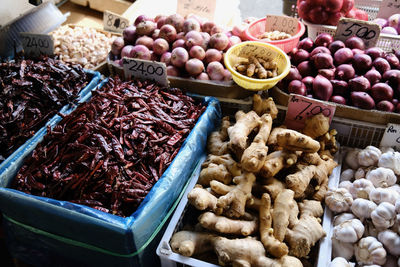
(368, 31)
(35, 44)
(300, 108)
(144, 69)
(281, 23)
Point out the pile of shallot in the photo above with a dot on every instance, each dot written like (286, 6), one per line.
(390, 25)
(345, 73)
(190, 47)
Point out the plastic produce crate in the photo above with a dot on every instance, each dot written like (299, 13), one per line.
(27, 146)
(47, 232)
(169, 258)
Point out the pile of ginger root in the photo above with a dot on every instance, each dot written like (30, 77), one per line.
(259, 191)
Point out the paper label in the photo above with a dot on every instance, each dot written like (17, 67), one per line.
(114, 22)
(35, 44)
(263, 52)
(391, 137)
(281, 23)
(145, 69)
(388, 8)
(368, 31)
(301, 107)
(203, 8)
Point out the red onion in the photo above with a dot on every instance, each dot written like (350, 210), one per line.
(327, 73)
(293, 74)
(141, 52)
(381, 65)
(393, 60)
(373, 76)
(306, 69)
(320, 49)
(382, 91)
(359, 83)
(357, 51)
(335, 46)
(392, 77)
(355, 42)
(338, 99)
(140, 19)
(340, 87)
(323, 39)
(308, 82)
(297, 87)
(129, 34)
(362, 62)
(300, 56)
(343, 55)
(323, 61)
(385, 105)
(194, 38)
(345, 72)
(168, 32)
(362, 100)
(322, 88)
(306, 44)
(374, 52)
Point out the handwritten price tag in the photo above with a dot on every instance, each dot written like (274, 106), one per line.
(114, 22)
(281, 23)
(144, 69)
(368, 31)
(203, 8)
(249, 50)
(301, 107)
(35, 44)
(391, 137)
(388, 8)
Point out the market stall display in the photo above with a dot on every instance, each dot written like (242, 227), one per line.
(85, 46)
(32, 92)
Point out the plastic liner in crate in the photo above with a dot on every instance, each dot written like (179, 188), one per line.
(169, 258)
(48, 232)
(41, 19)
(29, 145)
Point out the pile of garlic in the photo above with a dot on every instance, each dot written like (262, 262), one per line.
(367, 206)
(81, 45)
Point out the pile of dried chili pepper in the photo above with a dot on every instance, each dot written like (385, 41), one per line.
(31, 92)
(110, 151)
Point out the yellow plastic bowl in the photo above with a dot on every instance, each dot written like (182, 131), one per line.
(239, 52)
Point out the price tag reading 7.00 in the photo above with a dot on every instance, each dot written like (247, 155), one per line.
(113, 22)
(281, 23)
(35, 44)
(144, 69)
(368, 31)
(391, 136)
(301, 107)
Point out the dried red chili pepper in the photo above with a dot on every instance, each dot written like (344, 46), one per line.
(31, 92)
(109, 152)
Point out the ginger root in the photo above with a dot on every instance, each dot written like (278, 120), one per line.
(262, 106)
(271, 244)
(189, 243)
(225, 225)
(247, 252)
(254, 156)
(284, 213)
(272, 140)
(217, 141)
(278, 160)
(221, 168)
(234, 202)
(201, 199)
(316, 126)
(295, 141)
(273, 187)
(245, 124)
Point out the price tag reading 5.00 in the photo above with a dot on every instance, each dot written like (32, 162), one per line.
(301, 107)
(282, 24)
(368, 31)
(144, 69)
(113, 22)
(35, 44)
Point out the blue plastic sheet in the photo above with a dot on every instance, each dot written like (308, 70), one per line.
(83, 234)
(29, 145)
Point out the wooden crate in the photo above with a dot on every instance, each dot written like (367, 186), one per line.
(116, 6)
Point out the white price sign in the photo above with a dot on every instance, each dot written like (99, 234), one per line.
(281, 23)
(388, 8)
(368, 31)
(35, 44)
(114, 22)
(391, 137)
(203, 8)
(145, 69)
